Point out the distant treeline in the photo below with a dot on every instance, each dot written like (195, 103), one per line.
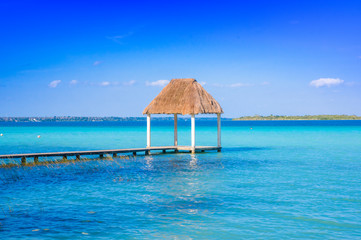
(88, 119)
(69, 119)
(305, 117)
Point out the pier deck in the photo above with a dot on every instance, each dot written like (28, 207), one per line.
(101, 153)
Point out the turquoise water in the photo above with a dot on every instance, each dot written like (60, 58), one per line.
(273, 180)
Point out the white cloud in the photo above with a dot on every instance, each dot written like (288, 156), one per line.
(104, 83)
(321, 82)
(130, 83)
(202, 83)
(159, 83)
(73, 82)
(54, 83)
(97, 63)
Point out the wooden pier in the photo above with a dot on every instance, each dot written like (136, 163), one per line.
(180, 96)
(113, 152)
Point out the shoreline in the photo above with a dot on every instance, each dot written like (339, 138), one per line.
(69, 119)
(179, 119)
(296, 119)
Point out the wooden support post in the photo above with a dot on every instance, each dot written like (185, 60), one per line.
(77, 157)
(114, 155)
(219, 130)
(164, 151)
(23, 160)
(175, 130)
(147, 152)
(134, 154)
(36, 159)
(148, 130)
(101, 156)
(193, 132)
(65, 158)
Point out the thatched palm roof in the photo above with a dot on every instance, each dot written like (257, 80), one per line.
(183, 96)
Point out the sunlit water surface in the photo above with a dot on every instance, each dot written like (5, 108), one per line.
(272, 180)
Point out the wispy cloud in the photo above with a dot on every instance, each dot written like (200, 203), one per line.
(129, 83)
(54, 83)
(351, 84)
(326, 82)
(118, 39)
(202, 83)
(234, 85)
(96, 63)
(74, 82)
(105, 83)
(159, 83)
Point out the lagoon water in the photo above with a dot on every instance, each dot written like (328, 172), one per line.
(273, 180)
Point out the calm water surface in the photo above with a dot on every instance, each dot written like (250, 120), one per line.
(273, 180)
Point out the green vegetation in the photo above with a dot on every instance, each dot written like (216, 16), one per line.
(305, 117)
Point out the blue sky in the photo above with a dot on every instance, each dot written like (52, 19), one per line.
(111, 58)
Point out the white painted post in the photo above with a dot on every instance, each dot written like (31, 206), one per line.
(148, 130)
(193, 133)
(175, 130)
(219, 130)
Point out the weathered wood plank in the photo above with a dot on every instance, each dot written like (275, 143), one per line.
(101, 153)
(96, 152)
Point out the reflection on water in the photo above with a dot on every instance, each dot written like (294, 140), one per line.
(193, 161)
(149, 161)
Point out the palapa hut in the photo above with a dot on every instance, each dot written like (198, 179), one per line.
(184, 96)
